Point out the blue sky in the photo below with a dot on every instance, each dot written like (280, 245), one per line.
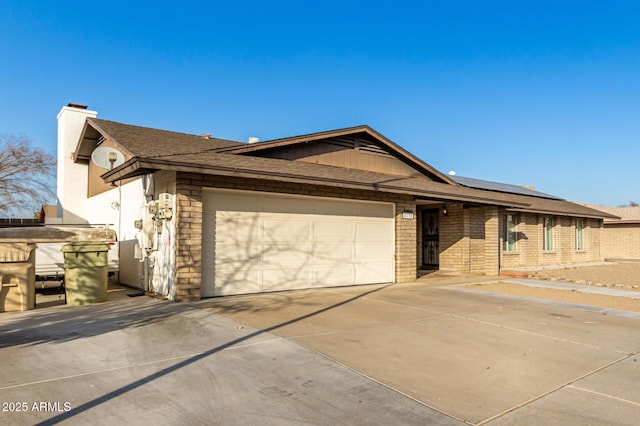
(523, 92)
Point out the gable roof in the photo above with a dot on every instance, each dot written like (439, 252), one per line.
(392, 147)
(149, 150)
(619, 215)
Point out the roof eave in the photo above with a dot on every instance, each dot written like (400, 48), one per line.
(139, 166)
(558, 213)
(86, 145)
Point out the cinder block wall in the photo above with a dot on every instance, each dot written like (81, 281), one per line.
(471, 240)
(453, 242)
(189, 226)
(477, 240)
(621, 241)
(529, 251)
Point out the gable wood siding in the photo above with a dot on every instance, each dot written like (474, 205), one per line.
(189, 223)
(347, 152)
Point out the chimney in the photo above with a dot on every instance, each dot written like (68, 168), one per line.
(79, 106)
(71, 177)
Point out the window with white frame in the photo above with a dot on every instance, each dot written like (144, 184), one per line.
(547, 236)
(510, 233)
(579, 234)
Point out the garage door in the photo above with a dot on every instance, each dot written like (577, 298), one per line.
(258, 242)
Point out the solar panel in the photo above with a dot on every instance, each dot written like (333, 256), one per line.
(500, 187)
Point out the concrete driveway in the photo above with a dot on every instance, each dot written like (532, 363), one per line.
(481, 358)
(423, 353)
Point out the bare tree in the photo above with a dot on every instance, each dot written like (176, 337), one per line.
(630, 204)
(27, 174)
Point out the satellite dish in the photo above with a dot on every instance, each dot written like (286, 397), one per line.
(107, 158)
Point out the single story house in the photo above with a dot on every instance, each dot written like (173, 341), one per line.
(199, 216)
(621, 235)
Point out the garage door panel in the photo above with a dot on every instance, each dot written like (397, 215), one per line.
(333, 231)
(374, 273)
(371, 251)
(283, 242)
(326, 276)
(239, 227)
(376, 231)
(285, 230)
(332, 253)
(246, 253)
(285, 254)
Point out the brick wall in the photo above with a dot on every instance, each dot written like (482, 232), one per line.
(452, 238)
(621, 241)
(189, 223)
(477, 231)
(406, 243)
(492, 241)
(529, 246)
(471, 240)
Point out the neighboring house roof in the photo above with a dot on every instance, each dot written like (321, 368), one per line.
(501, 187)
(150, 150)
(620, 215)
(48, 211)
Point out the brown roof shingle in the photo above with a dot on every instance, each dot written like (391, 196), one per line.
(151, 150)
(147, 142)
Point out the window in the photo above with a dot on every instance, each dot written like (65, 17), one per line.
(510, 233)
(547, 236)
(579, 234)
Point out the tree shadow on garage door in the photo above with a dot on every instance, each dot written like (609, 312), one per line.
(150, 378)
(255, 253)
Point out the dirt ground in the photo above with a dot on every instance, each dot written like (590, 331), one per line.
(569, 296)
(623, 276)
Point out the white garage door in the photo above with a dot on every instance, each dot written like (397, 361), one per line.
(258, 242)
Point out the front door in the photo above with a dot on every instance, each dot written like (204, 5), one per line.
(430, 239)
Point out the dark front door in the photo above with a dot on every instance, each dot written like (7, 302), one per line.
(430, 238)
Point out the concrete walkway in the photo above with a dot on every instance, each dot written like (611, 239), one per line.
(419, 353)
